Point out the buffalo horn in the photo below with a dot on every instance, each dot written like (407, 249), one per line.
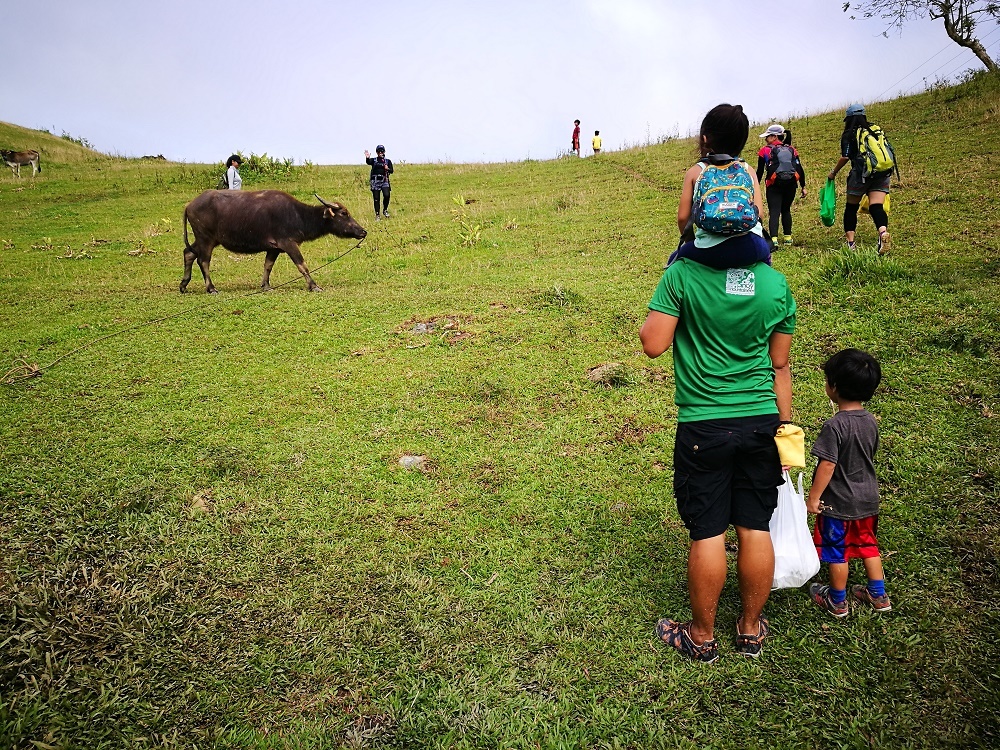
(328, 205)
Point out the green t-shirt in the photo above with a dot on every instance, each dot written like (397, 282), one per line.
(722, 367)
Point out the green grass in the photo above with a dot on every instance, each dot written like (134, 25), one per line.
(208, 540)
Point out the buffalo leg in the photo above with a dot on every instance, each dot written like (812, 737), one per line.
(189, 257)
(293, 252)
(272, 255)
(205, 262)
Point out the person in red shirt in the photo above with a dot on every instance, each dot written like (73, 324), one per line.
(779, 159)
(576, 137)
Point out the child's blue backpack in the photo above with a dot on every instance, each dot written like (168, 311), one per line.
(723, 199)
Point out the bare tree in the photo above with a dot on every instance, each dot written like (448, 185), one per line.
(961, 17)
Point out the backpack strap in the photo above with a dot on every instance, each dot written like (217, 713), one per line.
(718, 159)
(895, 161)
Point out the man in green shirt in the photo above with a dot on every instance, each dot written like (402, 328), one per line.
(731, 332)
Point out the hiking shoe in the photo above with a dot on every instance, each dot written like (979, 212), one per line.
(883, 243)
(378, 218)
(752, 645)
(677, 635)
(385, 214)
(787, 239)
(820, 593)
(878, 603)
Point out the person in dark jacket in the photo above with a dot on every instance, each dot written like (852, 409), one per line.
(779, 159)
(379, 180)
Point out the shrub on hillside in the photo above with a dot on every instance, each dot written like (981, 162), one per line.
(78, 141)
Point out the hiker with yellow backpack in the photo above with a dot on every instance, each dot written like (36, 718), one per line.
(872, 161)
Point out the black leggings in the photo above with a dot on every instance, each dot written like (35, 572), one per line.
(780, 195)
(878, 214)
(385, 195)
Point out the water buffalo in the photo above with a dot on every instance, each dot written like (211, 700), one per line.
(262, 221)
(17, 159)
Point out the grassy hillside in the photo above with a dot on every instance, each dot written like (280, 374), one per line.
(50, 147)
(209, 539)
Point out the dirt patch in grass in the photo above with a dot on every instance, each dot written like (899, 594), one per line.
(414, 462)
(450, 328)
(631, 433)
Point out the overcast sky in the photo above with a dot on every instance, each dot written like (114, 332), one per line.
(437, 80)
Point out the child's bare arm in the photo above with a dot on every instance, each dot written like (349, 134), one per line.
(687, 194)
(821, 480)
(757, 200)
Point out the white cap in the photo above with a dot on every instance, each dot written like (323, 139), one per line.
(775, 129)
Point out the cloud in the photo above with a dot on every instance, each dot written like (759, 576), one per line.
(631, 17)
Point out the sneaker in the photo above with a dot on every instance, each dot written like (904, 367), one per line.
(820, 593)
(883, 243)
(852, 245)
(677, 635)
(878, 603)
(385, 214)
(378, 218)
(752, 645)
(787, 239)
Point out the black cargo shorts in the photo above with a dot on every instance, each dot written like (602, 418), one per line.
(726, 472)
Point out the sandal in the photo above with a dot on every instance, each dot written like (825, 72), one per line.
(677, 635)
(752, 645)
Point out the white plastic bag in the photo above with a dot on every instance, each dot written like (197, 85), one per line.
(795, 558)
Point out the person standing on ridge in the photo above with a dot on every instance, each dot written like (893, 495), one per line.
(576, 137)
(779, 159)
(379, 180)
(595, 142)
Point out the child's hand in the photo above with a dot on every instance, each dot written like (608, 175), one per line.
(814, 505)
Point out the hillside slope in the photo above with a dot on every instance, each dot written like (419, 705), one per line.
(52, 148)
(209, 539)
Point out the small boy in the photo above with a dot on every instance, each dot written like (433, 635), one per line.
(576, 137)
(595, 142)
(844, 490)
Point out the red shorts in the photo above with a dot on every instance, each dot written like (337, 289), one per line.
(837, 541)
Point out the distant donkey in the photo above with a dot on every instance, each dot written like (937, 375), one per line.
(17, 159)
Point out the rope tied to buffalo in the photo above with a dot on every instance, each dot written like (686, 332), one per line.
(23, 370)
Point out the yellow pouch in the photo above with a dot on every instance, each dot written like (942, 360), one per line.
(791, 442)
(863, 207)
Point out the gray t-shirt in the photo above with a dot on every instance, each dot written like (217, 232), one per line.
(850, 440)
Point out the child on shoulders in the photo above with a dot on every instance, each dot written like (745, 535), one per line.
(740, 242)
(844, 492)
